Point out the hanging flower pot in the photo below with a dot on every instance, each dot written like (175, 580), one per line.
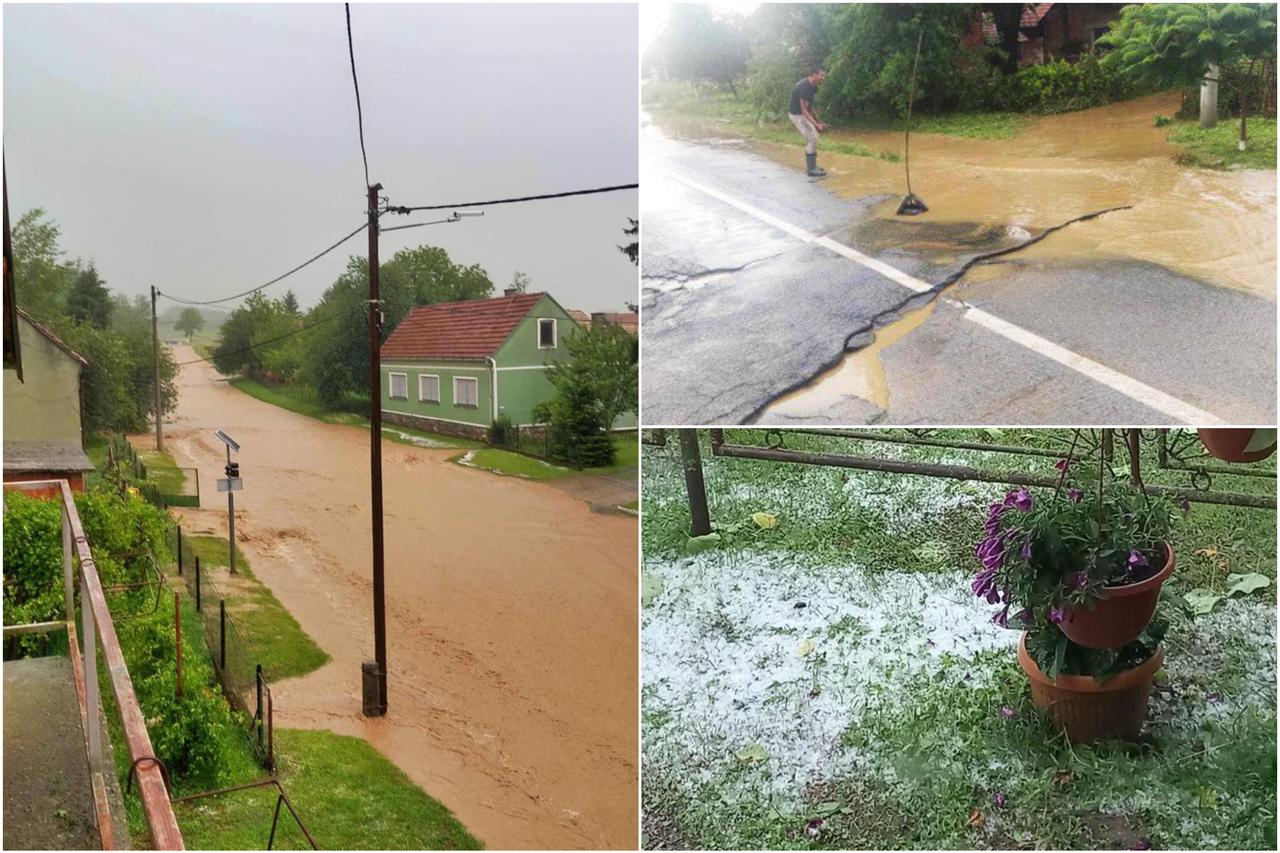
(1120, 615)
(1239, 445)
(1088, 711)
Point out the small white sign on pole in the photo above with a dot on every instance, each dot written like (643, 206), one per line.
(231, 484)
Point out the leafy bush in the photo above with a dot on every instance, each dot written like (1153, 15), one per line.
(1059, 87)
(577, 430)
(32, 560)
(500, 434)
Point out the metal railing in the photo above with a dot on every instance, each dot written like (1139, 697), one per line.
(80, 570)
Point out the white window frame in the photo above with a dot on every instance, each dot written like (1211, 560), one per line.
(391, 386)
(436, 377)
(475, 383)
(554, 332)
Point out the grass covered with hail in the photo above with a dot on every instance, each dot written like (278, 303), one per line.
(830, 681)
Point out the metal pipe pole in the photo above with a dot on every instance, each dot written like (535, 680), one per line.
(375, 456)
(155, 364)
(691, 458)
(231, 516)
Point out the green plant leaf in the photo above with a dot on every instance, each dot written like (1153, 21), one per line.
(650, 588)
(765, 520)
(1202, 601)
(698, 544)
(1247, 583)
(753, 754)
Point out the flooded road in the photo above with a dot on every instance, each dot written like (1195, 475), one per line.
(511, 611)
(1194, 253)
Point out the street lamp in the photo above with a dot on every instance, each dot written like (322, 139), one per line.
(231, 485)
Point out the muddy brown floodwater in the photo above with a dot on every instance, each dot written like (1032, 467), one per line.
(1215, 226)
(511, 611)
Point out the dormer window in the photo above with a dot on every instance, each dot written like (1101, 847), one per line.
(546, 333)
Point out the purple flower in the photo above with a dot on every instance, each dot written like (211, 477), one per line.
(984, 583)
(1186, 506)
(1008, 713)
(1002, 618)
(1136, 559)
(1062, 465)
(1056, 615)
(998, 799)
(1026, 548)
(1080, 580)
(992, 523)
(1022, 500)
(1142, 843)
(1026, 617)
(990, 552)
(1075, 495)
(814, 827)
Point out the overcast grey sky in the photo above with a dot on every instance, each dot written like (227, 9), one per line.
(208, 148)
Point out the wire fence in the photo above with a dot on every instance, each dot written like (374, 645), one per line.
(530, 440)
(156, 484)
(234, 659)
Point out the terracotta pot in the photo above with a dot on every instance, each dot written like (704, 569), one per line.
(1120, 616)
(1232, 445)
(1088, 711)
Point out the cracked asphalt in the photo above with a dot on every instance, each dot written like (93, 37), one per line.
(738, 312)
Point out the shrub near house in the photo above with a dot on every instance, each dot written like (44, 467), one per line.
(456, 367)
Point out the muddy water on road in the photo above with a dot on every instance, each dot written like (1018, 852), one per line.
(1218, 227)
(511, 611)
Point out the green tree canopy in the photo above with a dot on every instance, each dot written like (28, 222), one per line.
(189, 322)
(89, 300)
(699, 46)
(41, 279)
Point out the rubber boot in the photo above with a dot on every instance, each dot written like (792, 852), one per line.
(812, 167)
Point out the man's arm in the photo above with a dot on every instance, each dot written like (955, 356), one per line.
(807, 112)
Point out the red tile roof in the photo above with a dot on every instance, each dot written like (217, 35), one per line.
(468, 330)
(582, 318)
(628, 320)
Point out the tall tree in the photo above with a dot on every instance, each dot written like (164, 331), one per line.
(700, 46)
(632, 249)
(1164, 45)
(604, 357)
(291, 303)
(89, 301)
(520, 282)
(1008, 21)
(190, 321)
(41, 279)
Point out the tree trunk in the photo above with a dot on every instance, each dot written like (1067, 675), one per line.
(1209, 99)
(1008, 18)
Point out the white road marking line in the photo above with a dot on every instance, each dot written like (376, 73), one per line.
(1121, 383)
(1100, 373)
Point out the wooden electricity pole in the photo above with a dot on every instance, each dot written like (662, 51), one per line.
(375, 460)
(155, 363)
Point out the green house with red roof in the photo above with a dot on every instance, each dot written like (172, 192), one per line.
(456, 367)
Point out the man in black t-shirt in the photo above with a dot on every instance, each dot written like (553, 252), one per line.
(802, 116)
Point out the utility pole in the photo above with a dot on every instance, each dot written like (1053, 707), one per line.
(379, 707)
(155, 363)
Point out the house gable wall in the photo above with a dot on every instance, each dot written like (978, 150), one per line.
(522, 365)
(45, 406)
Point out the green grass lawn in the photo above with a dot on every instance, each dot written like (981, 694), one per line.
(273, 637)
(163, 471)
(835, 667)
(1217, 149)
(305, 401)
(347, 794)
(722, 113)
(626, 449)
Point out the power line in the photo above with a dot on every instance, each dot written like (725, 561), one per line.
(305, 263)
(335, 315)
(359, 114)
(616, 188)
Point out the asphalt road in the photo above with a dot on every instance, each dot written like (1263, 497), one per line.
(756, 281)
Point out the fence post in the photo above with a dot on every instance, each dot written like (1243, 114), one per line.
(177, 631)
(222, 636)
(179, 549)
(271, 735)
(198, 610)
(258, 714)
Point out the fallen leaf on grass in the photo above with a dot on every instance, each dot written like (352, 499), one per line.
(1208, 553)
(753, 754)
(977, 819)
(765, 520)
(805, 649)
(1247, 583)
(650, 588)
(1063, 777)
(698, 544)
(1202, 601)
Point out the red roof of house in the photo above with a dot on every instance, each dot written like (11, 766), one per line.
(468, 330)
(1032, 15)
(582, 318)
(628, 320)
